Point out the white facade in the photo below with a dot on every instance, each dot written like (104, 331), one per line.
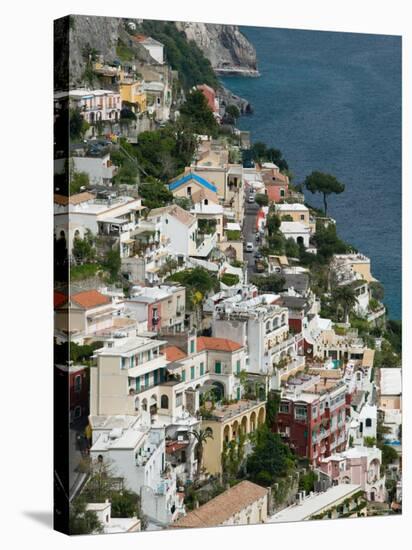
(99, 169)
(297, 231)
(95, 105)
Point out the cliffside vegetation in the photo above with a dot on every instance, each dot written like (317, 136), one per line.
(182, 55)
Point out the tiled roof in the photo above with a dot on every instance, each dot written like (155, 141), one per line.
(224, 506)
(217, 344)
(90, 298)
(202, 194)
(173, 353)
(176, 211)
(73, 199)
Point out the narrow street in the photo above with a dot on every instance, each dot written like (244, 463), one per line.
(249, 228)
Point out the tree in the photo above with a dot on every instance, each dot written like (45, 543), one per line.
(155, 194)
(83, 249)
(82, 521)
(344, 296)
(196, 110)
(201, 437)
(269, 283)
(273, 223)
(271, 458)
(261, 199)
(292, 249)
(326, 184)
(229, 279)
(77, 181)
(233, 111)
(78, 126)
(307, 481)
(112, 263)
(272, 408)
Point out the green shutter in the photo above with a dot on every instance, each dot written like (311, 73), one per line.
(202, 369)
(218, 367)
(146, 380)
(138, 383)
(156, 377)
(192, 346)
(237, 367)
(183, 375)
(238, 393)
(192, 372)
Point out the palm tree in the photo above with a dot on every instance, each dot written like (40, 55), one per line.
(345, 297)
(201, 437)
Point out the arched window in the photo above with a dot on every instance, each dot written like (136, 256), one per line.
(209, 431)
(268, 326)
(77, 234)
(164, 402)
(144, 404)
(275, 322)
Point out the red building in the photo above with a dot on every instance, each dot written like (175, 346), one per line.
(78, 382)
(313, 420)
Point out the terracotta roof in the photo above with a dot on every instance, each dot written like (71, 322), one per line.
(90, 298)
(202, 194)
(217, 344)
(59, 298)
(176, 211)
(173, 353)
(223, 507)
(74, 199)
(174, 446)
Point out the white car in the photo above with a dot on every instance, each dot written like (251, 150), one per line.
(251, 199)
(249, 247)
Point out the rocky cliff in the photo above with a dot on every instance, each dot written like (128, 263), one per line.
(225, 46)
(81, 32)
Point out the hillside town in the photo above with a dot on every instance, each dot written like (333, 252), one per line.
(229, 358)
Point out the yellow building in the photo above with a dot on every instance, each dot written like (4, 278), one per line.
(226, 424)
(131, 91)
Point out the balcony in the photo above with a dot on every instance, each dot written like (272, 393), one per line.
(147, 366)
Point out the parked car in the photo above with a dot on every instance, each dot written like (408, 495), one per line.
(251, 199)
(258, 255)
(249, 247)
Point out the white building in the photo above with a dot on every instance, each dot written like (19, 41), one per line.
(262, 327)
(115, 218)
(297, 231)
(154, 47)
(181, 229)
(136, 453)
(100, 169)
(103, 511)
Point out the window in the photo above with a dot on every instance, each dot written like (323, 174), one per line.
(132, 361)
(282, 192)
(146, 380)
(202, 369)
(189, 191)
(302, 216)
(238, 367)
(368, 423)
(155, 377)
(300, 413)
(183, 375)
(192, 373)
(138, 383)
(77, 383)
(238, 394)
(192, 346)
(164, 402)
(218, 367)
(123, 363)
(179, 399)
(284, 408)
(77, 412)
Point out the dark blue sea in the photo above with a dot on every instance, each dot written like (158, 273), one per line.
(332, 102)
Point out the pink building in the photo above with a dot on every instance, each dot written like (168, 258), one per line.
(210, 96)
(359, 465)
(94, 105)
(276, 185)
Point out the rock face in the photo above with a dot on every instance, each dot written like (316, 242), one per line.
(227, 49)
(100, 33)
